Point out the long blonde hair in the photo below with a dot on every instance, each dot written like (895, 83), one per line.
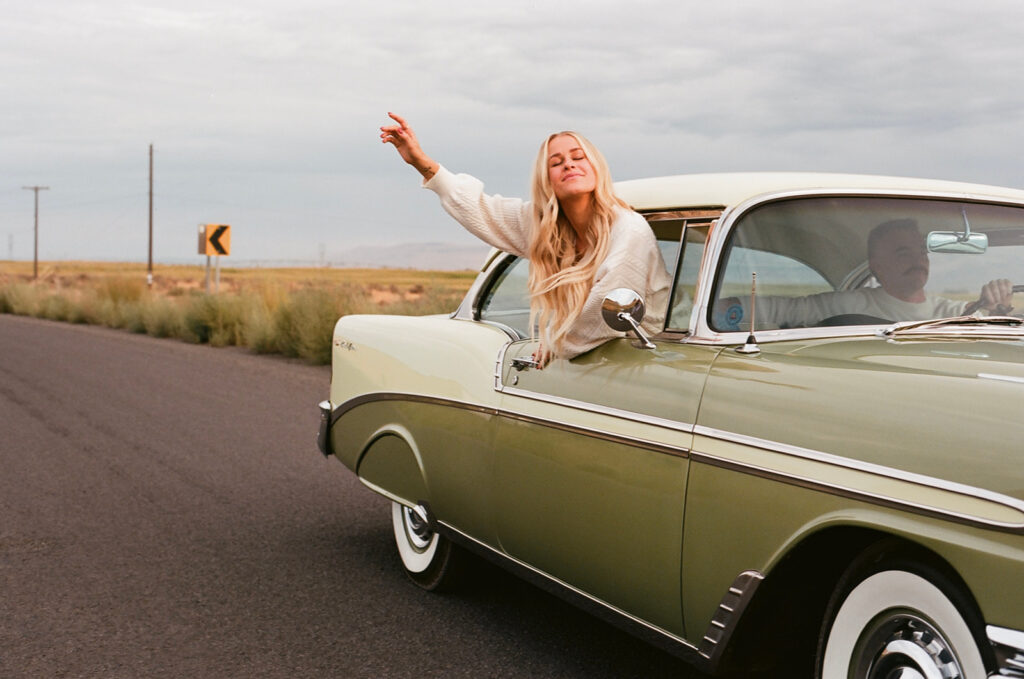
(559, 282)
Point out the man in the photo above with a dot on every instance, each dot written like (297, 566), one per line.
(898, 258)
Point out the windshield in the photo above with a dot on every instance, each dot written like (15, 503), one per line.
(858, 261)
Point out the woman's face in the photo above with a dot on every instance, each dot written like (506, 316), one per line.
(568, 168)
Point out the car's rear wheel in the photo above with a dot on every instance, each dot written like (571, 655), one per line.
(897, 624)
(429, 559)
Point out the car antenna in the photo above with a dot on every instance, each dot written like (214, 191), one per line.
(750, 346)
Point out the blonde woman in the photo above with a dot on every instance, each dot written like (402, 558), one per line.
(581, 239)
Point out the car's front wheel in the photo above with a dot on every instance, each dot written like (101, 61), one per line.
(429, 559)
(895, 623)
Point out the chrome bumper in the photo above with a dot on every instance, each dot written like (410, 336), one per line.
(1009, 647)
(323, 438)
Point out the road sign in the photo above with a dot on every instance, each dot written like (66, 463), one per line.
(215, 239)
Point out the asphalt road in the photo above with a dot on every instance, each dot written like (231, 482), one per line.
(164, 512)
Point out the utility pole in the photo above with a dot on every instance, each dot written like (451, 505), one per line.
(149, 274)
(35, 255)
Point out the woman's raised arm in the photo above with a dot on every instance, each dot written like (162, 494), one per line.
(405, 142)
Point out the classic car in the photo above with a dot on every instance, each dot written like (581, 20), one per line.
(773, 478)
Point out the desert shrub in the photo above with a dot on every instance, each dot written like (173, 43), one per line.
(57, 307)
(304, 324)
(23, 299)
(163, 318)
(266, 316)
(260, 334)
(120, 290)
(131, 316)
(216, 319)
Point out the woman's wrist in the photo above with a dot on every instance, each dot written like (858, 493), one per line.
(426, 167)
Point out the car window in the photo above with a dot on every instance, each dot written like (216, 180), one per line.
(685, 289)
(508, 300)
(860, 260)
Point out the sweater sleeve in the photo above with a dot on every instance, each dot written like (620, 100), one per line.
(502, 222)
(633, 262)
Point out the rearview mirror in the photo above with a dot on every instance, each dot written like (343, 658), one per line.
(958, 243)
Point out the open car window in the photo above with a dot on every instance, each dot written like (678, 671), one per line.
(814, 261)
(507, 300)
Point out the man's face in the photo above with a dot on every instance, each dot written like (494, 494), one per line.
(900, 263)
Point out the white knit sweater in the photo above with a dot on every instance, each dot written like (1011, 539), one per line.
(633, 259)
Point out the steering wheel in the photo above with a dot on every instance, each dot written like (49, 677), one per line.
(855, 319)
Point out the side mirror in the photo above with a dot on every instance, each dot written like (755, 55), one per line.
(623, 310)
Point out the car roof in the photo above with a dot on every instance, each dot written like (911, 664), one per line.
(729, 189)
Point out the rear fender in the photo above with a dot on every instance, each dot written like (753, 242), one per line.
(391, 465)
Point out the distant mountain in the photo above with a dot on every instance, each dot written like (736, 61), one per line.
(432, 256)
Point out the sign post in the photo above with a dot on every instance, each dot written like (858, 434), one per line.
(214, 239)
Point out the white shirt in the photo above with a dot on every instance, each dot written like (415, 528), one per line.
(808, 311)
(633, 259)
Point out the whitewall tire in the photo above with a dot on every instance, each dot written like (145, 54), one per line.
(895, 623)
(427, 557)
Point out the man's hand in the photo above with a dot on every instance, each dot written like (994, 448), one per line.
(995, 296)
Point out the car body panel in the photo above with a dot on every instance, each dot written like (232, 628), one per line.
(867, 419)
(747, 520)
(654, 482)
(603, 515)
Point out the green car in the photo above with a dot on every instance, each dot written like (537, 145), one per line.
(817, 465)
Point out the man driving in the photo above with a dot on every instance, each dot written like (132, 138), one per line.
(898, 258)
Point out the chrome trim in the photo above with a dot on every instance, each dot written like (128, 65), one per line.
(1008, 645)
(725, 619)
(598, 409)
(1001, 378)
(706, 657)
(585, 406)
(653, 446)
(865, 467)
(323, 437)
(718, 236)
(469, 307)
(743, 467)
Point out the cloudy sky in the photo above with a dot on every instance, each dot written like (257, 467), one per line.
(264, 114)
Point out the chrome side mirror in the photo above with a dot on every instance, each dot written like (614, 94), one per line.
(623, 310)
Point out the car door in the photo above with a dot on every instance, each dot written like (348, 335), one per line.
(591, 463)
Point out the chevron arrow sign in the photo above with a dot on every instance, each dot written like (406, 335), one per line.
(215, 239)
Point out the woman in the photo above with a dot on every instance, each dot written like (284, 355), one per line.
(581, 239)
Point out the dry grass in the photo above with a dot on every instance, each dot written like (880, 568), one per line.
(286, 311)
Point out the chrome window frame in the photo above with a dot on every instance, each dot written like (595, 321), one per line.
(701, 331)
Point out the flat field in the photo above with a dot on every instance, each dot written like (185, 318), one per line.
(269, 310)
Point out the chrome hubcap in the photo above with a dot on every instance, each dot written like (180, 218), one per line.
(416, 528)
(903, 646)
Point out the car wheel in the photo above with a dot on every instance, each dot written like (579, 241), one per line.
(429, 559)
(894, 623)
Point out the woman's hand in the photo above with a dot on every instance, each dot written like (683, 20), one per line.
(405, 142)
(542, 356)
